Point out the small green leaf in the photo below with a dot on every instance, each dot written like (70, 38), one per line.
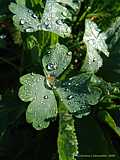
(43, 104)
(77, 94)
(67, 140)
(24, 19)
(95, 42)
(53, 18)
(105, 117)
(57, 60)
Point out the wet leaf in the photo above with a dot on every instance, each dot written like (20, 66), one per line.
(57, 60)
(77, 94)
(53, 18)
(43, 104)
(67, 140)
(95, 41)
(24, 19)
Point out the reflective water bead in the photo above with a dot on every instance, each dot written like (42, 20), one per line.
(69, 53)
(28, 30)
(70, 97)
(51, 66)
(22, 21)
(46, 97)
(69, 84)
(34, 16)
(59, 22)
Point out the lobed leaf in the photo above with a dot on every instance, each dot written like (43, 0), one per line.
(53, 18)
(24, 19)
(95, 42)
(77, 94)
(43, 105)
(57, 60)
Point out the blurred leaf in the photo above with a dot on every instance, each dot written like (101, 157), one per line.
(95, 42)
(78, 95)
(105, 117)
(57, 60)
(43, 105)
(75, 4)
(111, 66)
(92, 141)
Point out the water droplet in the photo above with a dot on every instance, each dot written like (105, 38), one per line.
(70, 97)
(69, 53)
(59, 22)
(22, 21)
(46, 97)
(28, 30)
(34, 16)
(66, 89)
(51, 66)
(69, 84)
(76, 61)
(47, 25)
(70, 78)
(64, 14)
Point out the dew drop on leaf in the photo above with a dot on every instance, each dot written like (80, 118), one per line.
(69, 53)
(70, 97)
(51, 66)
(45, 97)
(59, 22)
(28, 30)
(34, 16)
(22, 22)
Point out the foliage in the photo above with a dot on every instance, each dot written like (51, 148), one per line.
(61, 57)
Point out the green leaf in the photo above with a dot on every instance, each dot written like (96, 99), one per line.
(105, 117)
(24, 19)
(111, 67)
(95, 42)
(53, 18)
(77, 94)
(73, 4)
(57, 60)
(43, 104)
(67, 140)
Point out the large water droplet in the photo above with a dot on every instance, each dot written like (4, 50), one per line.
(70, 97)
(51, 66)
(69, 84)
